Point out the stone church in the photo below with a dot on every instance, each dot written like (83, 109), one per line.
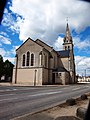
(39, 64)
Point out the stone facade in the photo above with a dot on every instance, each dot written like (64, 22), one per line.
(37, 63)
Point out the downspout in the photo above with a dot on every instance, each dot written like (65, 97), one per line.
(16, 68)
(35, 78)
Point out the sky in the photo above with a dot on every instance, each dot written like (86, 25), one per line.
(46, 20)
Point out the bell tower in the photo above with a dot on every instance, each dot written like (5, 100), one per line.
(68, 46)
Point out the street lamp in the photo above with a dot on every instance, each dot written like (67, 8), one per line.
(35, 78)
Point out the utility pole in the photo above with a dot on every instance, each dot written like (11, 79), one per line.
(85, 74)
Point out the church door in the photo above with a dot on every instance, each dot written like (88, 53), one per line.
(53, 78)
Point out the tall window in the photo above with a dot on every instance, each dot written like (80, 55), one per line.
(54, 62)
(45, 60)
(32, 59)
(41, 59)
(28, 58)
(23, 61)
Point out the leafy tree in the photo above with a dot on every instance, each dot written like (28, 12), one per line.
(1, 66)
(8, 68)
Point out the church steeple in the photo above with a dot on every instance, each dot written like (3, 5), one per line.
(68, 46)
(67, 31)
(67, 41)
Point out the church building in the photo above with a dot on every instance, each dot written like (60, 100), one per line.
(39, 64)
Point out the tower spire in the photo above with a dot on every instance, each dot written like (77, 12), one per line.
(67, 29)
(67, 41)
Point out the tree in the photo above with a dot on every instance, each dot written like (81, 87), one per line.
(1, 67)
(8, 68)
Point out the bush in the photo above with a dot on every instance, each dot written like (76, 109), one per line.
(71, 102)
(81, 112)
(83, 97)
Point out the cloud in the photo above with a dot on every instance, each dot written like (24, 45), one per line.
(82, 64)
(11, 21)
(4, 34)
(81, 45)
(58, 44)
(13, 50)
(7, 55)
(4, 40)
(46, 19)
(2, 52)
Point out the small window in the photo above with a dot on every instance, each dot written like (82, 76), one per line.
(68, 47)
(23, 61)
(65, 47)
(32, 59)
(59, 74)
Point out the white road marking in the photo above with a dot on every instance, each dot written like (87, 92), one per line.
(30, 96)
(76, 88)
(7, 90)
(15, 89)
(6, 94)
(46, 93)
(86, 86)
(65, 88)
(8, 99)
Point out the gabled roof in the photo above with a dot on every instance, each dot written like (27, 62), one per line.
(64, 53)
(42, 43)
(60, 69)
(26, 41)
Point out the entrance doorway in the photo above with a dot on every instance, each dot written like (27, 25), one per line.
(53, 78)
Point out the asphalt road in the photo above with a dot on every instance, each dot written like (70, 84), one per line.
(16, 101)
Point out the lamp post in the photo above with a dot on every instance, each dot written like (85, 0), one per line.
(85, 74)
(35, 78)
(77, 65)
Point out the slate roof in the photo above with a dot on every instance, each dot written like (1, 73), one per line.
(64, 53)
(60, 69)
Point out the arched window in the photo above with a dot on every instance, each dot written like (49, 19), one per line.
(40, 58)
(28, 58)
(45, 60)
(54, 62)
(32, 59)
(23, 60)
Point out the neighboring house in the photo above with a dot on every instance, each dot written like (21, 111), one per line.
(84, 79)
(38, 64)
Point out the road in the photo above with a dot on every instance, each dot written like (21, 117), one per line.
(16, 101)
